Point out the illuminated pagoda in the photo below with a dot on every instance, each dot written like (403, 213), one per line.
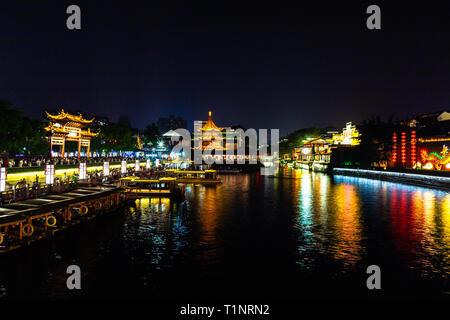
(68, 127)
(210, 134)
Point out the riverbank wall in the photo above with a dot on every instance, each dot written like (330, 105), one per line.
(417, 179)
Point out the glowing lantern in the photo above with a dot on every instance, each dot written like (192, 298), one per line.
(428, 166)
(105, 168)
(137, 166)
(82, 171)
(394, 147)
(123, 168)
(403, 148)
(49, 174)
(3, 179)
(413, 148)
(148, 164)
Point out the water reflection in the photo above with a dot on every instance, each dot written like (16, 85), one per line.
(328, 219)
(346, 225)
(417, 219)
(264, 232)
(338, 217)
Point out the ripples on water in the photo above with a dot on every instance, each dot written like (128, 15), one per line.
(301, 234)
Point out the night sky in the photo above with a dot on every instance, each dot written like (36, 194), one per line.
(265, 65)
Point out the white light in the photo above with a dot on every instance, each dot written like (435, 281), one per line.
(49, 174)
(2, 179)
(137, 166)
(105, 168)
(82, 171)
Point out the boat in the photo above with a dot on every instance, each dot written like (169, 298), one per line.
(165, 187)
(205, 177)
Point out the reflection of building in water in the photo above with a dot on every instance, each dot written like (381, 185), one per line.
(328, 219)
(445, 218)
(347, 224)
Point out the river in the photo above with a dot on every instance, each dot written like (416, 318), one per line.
(298, 235)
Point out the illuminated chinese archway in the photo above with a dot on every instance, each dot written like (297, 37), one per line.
(67, 127)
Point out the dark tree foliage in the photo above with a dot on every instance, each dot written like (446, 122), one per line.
(19, 134)
(151, 134)
(295, 139)
(114, 137)
(376, 145)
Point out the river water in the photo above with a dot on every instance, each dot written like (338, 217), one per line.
(299, 235)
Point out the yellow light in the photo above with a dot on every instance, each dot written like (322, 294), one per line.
(428, 166)
(306, 150)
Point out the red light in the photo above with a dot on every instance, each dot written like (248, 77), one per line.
(394, 147)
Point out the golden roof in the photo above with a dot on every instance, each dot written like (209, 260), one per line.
(67, 116)
(210, 125)
(51, 127)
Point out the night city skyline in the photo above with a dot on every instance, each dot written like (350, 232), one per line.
(253, 66)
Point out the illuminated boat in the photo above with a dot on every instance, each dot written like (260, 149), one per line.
(162, 187)
(206, 177)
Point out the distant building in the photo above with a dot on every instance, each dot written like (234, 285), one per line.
(320, 148)
(170, 123)
(430, 124)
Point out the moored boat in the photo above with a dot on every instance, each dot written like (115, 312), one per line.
(161, 187)
(206, 177)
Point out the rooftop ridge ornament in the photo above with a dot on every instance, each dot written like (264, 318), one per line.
(65, 115)
(210, 125)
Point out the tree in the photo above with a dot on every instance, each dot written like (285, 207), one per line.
(35, 141)
(295, 139)
(19, 134)
(376, 144)
(151, 134)
(114, 137)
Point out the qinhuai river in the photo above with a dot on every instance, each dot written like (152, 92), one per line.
(298, 235)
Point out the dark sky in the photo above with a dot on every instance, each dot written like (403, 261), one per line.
(262, 65)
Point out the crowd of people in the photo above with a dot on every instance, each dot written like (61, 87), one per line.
(32, 187)
(38, 161)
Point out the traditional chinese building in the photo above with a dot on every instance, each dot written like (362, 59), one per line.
(209, 136)
(320, 148)
(212, 137)
(68, 127)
